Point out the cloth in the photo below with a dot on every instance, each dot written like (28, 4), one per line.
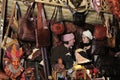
(81, 57)
(68, 37)
(88, 34)
(88, 51)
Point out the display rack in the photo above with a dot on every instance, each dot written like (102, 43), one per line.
(52, 3)
(104, 7)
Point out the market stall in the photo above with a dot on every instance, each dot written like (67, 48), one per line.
(30, 29)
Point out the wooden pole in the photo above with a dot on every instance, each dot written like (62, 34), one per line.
(2, 19)
(46, 64)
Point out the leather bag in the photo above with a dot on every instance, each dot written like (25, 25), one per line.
(43, 32)
(79, 18)
(8, 41)
(27, 24)
(100, 29)
(99, 32)
(57, 27)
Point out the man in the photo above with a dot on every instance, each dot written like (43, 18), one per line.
(64, 51)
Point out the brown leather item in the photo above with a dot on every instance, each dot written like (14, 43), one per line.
(44, 37)
(8, 41)
(70, 26)
(43, 33)
(57, 28)
(26, 30)
(99, 32)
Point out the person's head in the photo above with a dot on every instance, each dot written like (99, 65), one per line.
(87, 36)
(68, 39)
(15, 63)
(14, 55)
(60, 61)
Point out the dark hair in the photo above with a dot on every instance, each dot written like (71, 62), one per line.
(66, 42)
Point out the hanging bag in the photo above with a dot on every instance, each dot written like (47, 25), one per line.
(43, 32)
(27, 24)
(8, 41)
(16, 16)
(100, 30)
(57, 27)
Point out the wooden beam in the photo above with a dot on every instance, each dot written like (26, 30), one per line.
(52, 2)
(104, 6)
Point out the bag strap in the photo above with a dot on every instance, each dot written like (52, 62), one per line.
(41, 22)
(17, 16)
(54, 15)
(39, 16)
(44, 19)
(60, 16)
(18, 12)
(57, 12)
(10, 22)
(29, 10)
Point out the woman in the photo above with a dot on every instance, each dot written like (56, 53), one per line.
(86, 43)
